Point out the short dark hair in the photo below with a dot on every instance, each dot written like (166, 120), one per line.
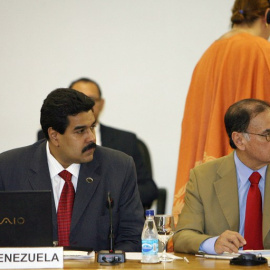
(87, 80)
(60, 104)
(239, 115)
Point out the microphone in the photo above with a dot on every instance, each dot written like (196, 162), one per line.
(109, 205)
(111, 256)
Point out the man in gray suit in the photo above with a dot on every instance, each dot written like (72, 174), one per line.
(68, 122)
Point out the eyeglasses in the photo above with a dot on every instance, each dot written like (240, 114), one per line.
(267, 136)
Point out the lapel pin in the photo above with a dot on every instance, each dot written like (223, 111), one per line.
(89, 180)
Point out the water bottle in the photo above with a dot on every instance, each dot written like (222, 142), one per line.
(149, 239)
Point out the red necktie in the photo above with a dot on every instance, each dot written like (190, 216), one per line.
(65, 206)
(253, 222)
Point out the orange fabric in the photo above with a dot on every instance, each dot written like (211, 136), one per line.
(230, 70)
(170, 246)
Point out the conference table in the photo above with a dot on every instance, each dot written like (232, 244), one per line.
(194, 263)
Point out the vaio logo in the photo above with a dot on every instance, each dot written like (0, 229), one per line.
(12, 221)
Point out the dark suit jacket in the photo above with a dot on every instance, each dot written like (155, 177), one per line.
(27, 169)
(127, 142)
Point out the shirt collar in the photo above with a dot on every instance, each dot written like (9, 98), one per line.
(98, 134)
(55, 167)
(244, 172)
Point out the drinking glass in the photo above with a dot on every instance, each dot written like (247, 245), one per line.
(165, 228)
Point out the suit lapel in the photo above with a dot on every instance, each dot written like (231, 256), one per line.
(85, 189)
(39, 176)
(266, 205)
(227, 192)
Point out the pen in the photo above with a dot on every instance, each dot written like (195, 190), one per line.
(224, 256)
(186, 260)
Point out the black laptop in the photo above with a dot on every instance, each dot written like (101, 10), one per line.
(26, 219)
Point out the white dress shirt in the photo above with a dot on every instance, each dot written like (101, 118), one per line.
(57, 182)
(98, 134)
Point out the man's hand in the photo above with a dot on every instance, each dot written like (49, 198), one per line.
(229, 241)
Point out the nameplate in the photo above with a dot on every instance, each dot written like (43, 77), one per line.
(36, 257)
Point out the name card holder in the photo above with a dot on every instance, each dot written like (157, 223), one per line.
(31, 257)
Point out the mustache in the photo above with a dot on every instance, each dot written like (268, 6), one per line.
(89, 146)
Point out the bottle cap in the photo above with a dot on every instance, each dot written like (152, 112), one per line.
(150, 212)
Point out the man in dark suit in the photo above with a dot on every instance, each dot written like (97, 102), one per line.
(117, 139)
(68, 122)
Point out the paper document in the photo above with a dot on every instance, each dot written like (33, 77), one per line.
(263, 252)
(78, 255)
(138, 256)
(228, 256)
(223, 256)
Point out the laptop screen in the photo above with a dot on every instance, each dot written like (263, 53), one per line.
(26, 219)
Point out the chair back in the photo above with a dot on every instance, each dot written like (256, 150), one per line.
(162, 192)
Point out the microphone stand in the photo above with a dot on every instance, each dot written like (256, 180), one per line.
(111, 256)
(111, 234)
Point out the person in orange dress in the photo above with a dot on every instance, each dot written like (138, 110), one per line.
(236, 66)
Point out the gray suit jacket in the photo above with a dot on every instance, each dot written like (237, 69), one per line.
(211, 205)
(27, 169)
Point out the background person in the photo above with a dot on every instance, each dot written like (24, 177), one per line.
(236, 66)
(219, 213)
(68, 122)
